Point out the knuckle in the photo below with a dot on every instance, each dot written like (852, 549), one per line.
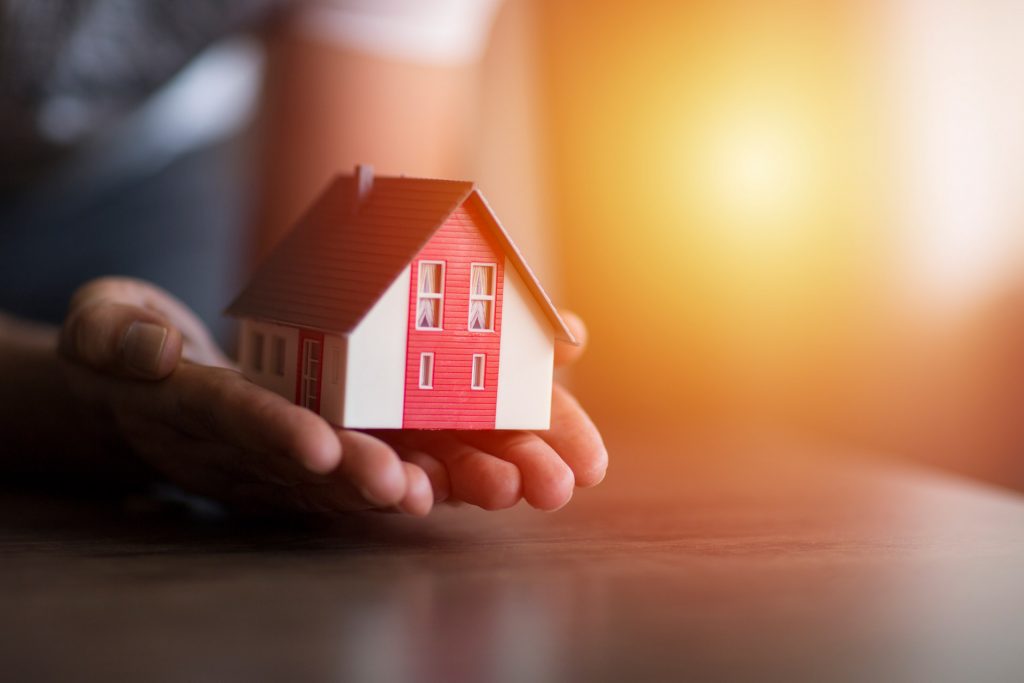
(82, 339)
(111, 289)
(520, 441)
(95, 288)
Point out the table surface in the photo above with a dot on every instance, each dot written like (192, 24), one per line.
(726, 556)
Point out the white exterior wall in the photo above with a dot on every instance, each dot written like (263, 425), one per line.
(375, 364)
(284, 383)
(526, 361)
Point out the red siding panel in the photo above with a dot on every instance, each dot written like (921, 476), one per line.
(452, 403)
(335, 265)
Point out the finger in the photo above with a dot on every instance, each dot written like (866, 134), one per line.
(324, 495)
(249, 481)
(216, 405)
(373, 468)
(121, 339)
(244, 479)
(419, 495)
(436, 472)
(476, 477)
(547, 480)
(566, 353)
(198, 344)
(576, 439)
(221, 405)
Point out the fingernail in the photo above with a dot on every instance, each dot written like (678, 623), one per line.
(144, 346)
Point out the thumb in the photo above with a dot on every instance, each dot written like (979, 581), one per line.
(566, 354)
(125, 340)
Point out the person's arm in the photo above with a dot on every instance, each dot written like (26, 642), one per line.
(331, 101)
(132, 386)
(204, 426)
(44, 431)
(330, 104)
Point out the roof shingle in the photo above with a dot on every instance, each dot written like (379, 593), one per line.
(334, 266)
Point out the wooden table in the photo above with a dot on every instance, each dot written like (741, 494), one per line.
(725, 556)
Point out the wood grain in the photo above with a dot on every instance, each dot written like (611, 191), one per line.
(724, 556)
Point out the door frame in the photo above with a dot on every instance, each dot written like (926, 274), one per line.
(314, 341)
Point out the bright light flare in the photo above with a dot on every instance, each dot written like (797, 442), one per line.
(755, 168)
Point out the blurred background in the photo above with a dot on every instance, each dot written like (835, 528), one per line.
(799, 216)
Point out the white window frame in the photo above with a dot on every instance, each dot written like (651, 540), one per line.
(430, 295)
(483, 373)
(492, 297)
(257, 340)
(310, 370)
(429, 357)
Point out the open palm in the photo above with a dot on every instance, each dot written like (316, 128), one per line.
(137, 355)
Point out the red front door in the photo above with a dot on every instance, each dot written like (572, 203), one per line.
(310, 370)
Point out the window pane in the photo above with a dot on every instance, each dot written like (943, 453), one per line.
(478, 372)
(426, 371)
(480, 314)
(482, 281)
(427, 313)
(257, 351)
(278, 356)
(430, 278)
(308, 353)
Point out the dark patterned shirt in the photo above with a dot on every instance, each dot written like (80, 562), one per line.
(68, 67)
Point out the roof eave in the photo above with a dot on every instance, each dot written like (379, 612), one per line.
(562, 331)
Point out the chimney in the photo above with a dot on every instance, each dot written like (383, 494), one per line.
(364, 185)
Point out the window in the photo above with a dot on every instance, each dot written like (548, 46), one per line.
(430, 297)
(426, 371)
(256, 358)
(311, 358)
(479, 363)
(481, 297)
(277, 356)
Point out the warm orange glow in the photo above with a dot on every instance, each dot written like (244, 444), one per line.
(757, 167)
(751, 194)
(718, 155)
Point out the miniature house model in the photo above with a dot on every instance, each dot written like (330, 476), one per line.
(402, 303)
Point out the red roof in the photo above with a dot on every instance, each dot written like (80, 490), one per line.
(333, 267)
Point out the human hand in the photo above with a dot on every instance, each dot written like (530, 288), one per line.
(135, 354)
(495, 469)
